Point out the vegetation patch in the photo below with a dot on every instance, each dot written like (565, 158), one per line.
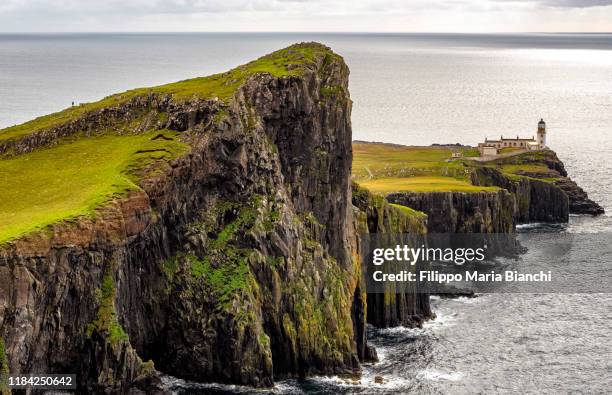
(516, 169)
(329, 91)
(107, 322)
(422, 184)
(75, 178)
(224, 270)
(225, 274)
(386, 168)
(4, 370)
(409, 211)
(507, 150)
(388, 160)
(290, 61)
(530, 165)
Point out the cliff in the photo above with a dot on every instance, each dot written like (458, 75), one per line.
(225, 249)
(375, 216)
(462, 212)
(533, 200)
(467, 196)
(543, 190)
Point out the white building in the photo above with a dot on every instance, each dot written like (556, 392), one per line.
(492, 147)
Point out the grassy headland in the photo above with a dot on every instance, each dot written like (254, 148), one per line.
(65, 181)
(289, 61)
(386, 168)
(421, 184)
(532, 164)
(77, 175)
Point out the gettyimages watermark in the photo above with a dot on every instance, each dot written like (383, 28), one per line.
(488, 263)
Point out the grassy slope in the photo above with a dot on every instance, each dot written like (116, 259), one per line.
(384, 168)
(409, 211)
(422, 184)
(74, 178)
(529, 162)
(285, 62)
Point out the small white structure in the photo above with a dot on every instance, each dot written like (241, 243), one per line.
(492, 147)
(533, 146)
(487, 150)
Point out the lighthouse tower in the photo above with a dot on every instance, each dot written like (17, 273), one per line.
(542, 133)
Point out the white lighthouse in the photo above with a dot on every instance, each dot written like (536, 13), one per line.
(542, 133)
(495, 147)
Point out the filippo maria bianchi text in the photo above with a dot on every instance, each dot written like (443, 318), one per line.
(476, 276)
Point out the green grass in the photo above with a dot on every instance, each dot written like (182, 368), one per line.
(409, 211)
(530, 162)
(4, 369)
(75, 178)
(82, 173)
(226, 279)
(107, 322)
(528, 167)
(385, 160)
(507, 150)
(385, 168)
(422, 184)
(290, 61)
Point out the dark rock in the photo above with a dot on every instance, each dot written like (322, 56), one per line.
(375, 215)
(462, 212)
(579, 202)
(540, 200)
(236, 265)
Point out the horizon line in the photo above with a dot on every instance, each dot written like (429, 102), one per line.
(301, 32)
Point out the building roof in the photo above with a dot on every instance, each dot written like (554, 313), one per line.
(509, 139)
(519, 139)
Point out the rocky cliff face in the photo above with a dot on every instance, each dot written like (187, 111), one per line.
(539, 187)
(530, 196)
(236, 262)
(375, 216)
(579, 202)
(534, 200)
(462, 212)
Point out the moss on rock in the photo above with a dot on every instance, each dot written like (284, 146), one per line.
(107, 324)
(4, 370)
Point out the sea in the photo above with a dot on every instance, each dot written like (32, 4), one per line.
(413, 89)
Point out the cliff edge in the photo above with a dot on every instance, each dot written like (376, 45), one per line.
(203, 229)
(460, 195)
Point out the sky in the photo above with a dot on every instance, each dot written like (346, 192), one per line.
(470, 16)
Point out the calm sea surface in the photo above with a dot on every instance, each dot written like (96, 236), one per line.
(408, 89)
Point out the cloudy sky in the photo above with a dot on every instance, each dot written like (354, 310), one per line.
(307, 15)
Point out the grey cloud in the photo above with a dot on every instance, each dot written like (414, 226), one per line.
(560, 3)
(104, 15)
(576, 3)
(142, 7)
(212, 6)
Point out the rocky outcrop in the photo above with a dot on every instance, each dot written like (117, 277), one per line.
(375, 216)
(538, 184)
(534, 200)
(579, 202)
(462, 212)
(541, 195)
(234, 263)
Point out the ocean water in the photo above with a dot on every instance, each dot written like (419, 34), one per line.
(409, 89)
